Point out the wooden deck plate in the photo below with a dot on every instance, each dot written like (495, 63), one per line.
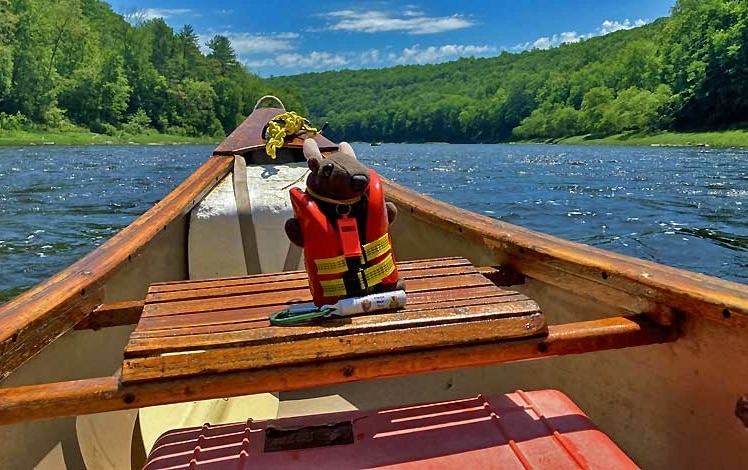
(248, 135)
(204, 327)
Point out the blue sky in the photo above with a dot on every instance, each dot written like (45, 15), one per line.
(289, 37)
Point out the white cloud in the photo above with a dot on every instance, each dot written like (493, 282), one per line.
(611, 26)
(257, 44)
(608, 26)
(372, 58)
(432, 54)
(411, 22)
(313, 61)
(540, 43)
(151, 13)
(279, 52)
(555, 40)
(568, 37)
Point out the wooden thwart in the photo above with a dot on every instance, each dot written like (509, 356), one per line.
(98, 395)
(221, 326)
(112, 314)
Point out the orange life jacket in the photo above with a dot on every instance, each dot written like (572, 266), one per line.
(337, 263)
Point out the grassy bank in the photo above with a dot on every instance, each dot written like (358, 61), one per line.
(20, 138)
(736, 138)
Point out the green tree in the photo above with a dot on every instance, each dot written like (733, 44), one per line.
(149, 87)
(594, 104)
(100, 94)
(549, 121)
(79, 60)
(7, 32)
(35, 81)
(638, 65)
(195, 105)
(222, 53)
(229, 102)
(706, 62)
(635, 109)
(164, 48)
(192, 64)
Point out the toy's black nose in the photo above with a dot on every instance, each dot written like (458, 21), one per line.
(359, 182)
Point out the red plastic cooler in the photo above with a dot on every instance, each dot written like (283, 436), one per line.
(523, 430)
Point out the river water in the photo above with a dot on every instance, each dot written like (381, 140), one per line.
(684, 207)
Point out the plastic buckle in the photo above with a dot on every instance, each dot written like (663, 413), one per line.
(299, 314)
(348, 233)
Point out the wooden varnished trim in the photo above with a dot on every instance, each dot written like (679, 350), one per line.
(636, 285)
(248, 135)
(366, 340)
(34, 402)
(63, 299)
(502, 276)
(194, 328)
(113, 314)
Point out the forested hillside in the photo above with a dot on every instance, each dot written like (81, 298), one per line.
(76, 63)
(685, 72)
(66, 63)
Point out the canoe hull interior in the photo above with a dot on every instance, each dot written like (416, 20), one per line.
(668, 405)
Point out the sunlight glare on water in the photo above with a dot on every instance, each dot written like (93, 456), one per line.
(678, 206)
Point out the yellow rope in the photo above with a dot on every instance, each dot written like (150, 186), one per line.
(288, 123)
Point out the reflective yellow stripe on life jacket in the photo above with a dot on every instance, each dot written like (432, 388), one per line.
(371, 250)
(368, 277)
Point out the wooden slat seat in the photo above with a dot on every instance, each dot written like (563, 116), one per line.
(208, 339)
(195, 328)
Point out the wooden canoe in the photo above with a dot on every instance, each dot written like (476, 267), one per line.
(656, 356)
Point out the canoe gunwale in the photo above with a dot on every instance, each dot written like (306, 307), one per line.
(71, 295)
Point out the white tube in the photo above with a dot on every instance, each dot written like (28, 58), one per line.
(370, 303)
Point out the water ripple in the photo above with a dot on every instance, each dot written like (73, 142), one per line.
(59, 203)
(679, 206)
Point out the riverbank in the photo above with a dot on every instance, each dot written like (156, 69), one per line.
(23, 138)
(734, 138)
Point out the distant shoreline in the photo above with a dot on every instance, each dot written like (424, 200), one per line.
(733, 138)
(34, 138)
